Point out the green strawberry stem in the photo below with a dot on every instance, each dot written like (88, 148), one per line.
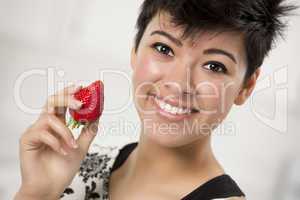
(73, 124)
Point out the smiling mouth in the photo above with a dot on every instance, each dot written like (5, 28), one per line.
(172, 107)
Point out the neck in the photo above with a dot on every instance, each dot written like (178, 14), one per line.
(165, 163)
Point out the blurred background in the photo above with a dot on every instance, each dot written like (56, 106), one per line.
(45, 45)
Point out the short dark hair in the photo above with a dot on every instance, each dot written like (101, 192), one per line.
(259, 21)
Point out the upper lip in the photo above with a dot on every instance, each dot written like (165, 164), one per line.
(175, 102)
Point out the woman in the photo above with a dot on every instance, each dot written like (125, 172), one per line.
(192, 61)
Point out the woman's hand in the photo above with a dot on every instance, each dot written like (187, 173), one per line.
(49, 154)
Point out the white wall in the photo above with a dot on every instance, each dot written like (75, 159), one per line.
(81, 38)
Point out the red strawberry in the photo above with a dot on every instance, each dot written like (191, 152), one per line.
(92, 98)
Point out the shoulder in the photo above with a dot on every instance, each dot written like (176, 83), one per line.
(222, 187)
(91, 180)
(230, 188)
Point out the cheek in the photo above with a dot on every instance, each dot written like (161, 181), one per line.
(147, 72)
(209, 96)
(216, 97)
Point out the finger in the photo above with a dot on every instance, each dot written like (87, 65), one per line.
(87, 136)
(47, 138)
(60, 129)
(61, 101)
(70, 90)
(67, 101)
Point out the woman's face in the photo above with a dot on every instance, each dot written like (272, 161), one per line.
(185, 88)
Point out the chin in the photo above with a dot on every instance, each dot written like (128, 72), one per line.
(174, 140)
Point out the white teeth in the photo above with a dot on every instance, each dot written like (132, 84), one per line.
(172, 109)
(168, 107)
(175, 110)
(179, 111)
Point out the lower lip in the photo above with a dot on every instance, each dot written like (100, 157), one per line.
(169, 116)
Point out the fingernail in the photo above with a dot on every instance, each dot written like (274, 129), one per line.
(63, 152)
(77, 104)
(74, 144)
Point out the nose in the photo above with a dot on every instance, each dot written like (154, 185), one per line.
(179, 82)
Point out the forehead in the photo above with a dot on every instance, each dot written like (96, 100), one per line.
(233, 41)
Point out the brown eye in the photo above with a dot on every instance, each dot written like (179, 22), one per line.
(163, 49)
(216, 67)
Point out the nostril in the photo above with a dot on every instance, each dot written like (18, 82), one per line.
(187, 93)
(195, 110)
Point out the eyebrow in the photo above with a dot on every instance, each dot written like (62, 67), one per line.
(220, 51)
(169, 36)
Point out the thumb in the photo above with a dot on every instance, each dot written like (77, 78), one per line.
(87, 136)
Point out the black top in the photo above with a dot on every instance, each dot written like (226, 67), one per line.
(222, 186)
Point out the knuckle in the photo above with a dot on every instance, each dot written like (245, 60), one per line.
(22, 138)
(49, 119)
(46, 120)
(28, 131)
(42, 120)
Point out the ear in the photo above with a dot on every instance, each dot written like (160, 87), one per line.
(133, 58)
(248, 88)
